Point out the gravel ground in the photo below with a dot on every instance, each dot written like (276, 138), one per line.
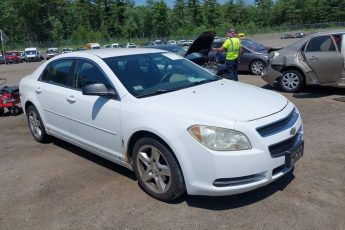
(59, 186)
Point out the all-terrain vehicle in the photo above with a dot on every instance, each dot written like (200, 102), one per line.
(9, 98)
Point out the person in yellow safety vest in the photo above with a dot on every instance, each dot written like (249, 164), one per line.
(232, 46)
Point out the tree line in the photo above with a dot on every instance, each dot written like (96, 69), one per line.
(81, 20)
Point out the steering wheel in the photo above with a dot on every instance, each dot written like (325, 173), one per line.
(166, 77)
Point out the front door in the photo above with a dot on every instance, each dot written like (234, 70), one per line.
(324, 59)
(95, 120)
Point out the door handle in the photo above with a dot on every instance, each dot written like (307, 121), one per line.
(71, 99)
(313, 58)
(38, 90)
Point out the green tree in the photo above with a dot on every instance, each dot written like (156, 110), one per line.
(160, 19)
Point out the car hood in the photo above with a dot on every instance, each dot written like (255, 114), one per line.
(223, 99)
(202, 44)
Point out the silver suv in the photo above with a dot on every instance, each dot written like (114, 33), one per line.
(317, 59)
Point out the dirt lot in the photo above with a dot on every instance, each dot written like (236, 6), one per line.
(59, 186)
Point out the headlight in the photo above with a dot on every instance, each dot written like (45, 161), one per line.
(220, 139)
(272, 55)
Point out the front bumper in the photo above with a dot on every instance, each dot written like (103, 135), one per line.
(218, 173)
(270, 75)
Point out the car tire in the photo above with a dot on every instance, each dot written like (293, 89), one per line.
(156, 169)
(36, 125)
(292, 81)
(256, 67)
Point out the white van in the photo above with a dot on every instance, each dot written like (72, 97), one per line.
(32, 54)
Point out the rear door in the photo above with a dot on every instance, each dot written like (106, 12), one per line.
(324, 59)
(52, 91)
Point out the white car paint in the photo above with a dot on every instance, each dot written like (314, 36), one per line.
(223, 103)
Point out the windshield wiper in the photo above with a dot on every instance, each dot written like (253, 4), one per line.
(206, 81)
(157, 92)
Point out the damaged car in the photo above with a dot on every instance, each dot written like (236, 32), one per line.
(317, 59)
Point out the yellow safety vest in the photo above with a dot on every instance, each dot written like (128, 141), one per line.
(232, 45)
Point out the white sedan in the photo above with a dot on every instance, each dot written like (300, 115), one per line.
(176, 125)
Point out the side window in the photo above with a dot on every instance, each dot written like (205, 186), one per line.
(320, 44)
(57, 72)
(88, 73)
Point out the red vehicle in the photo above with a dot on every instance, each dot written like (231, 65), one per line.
(13, 57)
(9, 98)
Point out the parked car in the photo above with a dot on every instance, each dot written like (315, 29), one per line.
(12, 57)
(254, 56)
(299, 35)
(163, 117)
(317, 59)
(32, 54)
(92, 46)
(286, 35)
(2, 59)
(114, 45)
(131, 45)
(172, 42)
(51, 52)
(80, 49)
(66, 50)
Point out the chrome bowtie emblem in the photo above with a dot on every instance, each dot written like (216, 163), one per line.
(293, 131)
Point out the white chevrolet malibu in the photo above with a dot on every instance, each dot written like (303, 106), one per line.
(176, 125)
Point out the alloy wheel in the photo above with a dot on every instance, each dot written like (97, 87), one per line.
(153, 169)
(35, 124)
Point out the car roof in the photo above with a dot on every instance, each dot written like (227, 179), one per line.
(106, 53)
(328, 32)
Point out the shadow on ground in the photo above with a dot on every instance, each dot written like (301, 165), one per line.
(94, 158)
(315, 92)
(204, 202)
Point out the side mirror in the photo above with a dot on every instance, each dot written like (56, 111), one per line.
(98, 89)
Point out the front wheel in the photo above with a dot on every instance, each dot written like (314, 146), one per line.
(257, 67)
(36, 125)
(157, 170)
(291, 81)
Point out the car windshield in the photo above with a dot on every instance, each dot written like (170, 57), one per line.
(66, 49)
(10, 54)
(156, 73)
(51, 51)
(30, 52)
(252, 45)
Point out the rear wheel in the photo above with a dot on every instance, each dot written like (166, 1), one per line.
(36, 125)
(157, 170)
(291, 81)
(256, 67)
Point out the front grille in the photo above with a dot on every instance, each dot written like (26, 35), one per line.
(280, 148)
(280, 125)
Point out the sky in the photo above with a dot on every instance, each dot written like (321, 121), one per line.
(171, 2)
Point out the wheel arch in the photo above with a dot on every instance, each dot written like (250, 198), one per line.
(144, 133)
(296, 69)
